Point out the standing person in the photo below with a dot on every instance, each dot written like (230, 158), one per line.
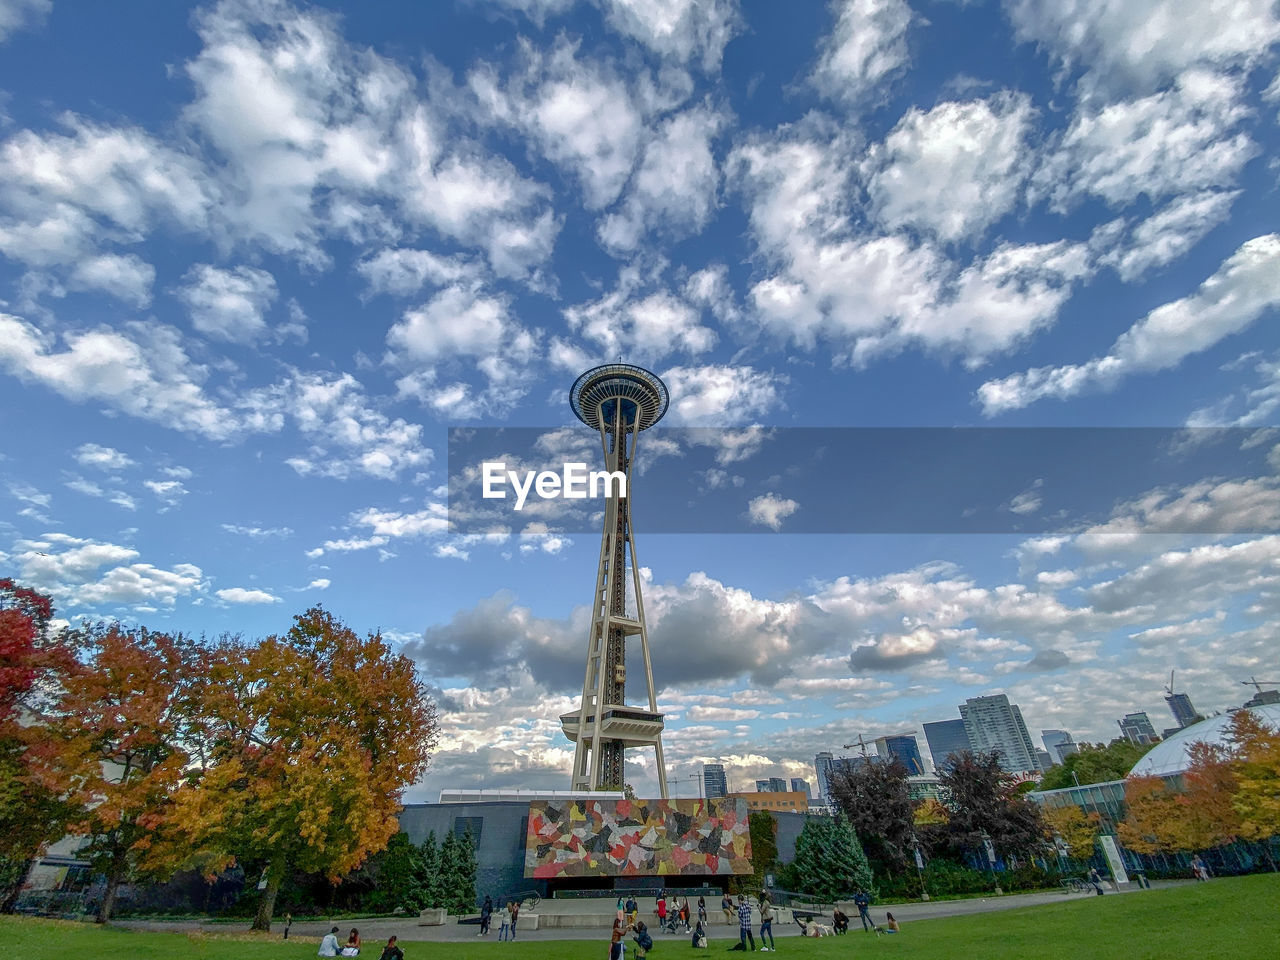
(615, 938)
(727, 906)
(288, 922)
(633, 910)
(1095, 878)
(766, 925)
(329, 944)
(504, 931)
(744, 923)
(862, 901)
(515, 915)
(662, 911)
(702, 910)
(392, 950)
(486, 916)
(684, 915)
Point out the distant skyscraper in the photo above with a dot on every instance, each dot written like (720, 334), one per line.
(904, 749)
(1059, 743)
(993, 723)
(1043, 758)
(771, 785)
(801, 786)
(946, 737)
(714, 782)
(822, 764)
(1180, 706)
(1137, 727)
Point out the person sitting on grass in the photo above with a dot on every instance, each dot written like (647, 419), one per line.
(352, 949)
(392, 950)
(329, 944)
(699, 935)
(891, 925)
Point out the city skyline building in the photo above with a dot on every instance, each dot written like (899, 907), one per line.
(905, 749)
(799, 785)
(714, 782)
(946, 738)
(1184, 713)
(618, 401)
(1059, 743)
(771, 785)
(993, 723)
(1137, 727)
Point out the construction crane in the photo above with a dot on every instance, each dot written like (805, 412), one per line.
(1169, 688)
(1257, 684)
(863, 741)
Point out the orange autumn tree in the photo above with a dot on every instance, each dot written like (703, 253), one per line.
(111, 748)
(1075, 828)
(1208, 814)
(1257, 773)
(1151, 824)
(303, 745)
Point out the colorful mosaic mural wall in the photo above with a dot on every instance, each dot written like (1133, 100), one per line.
(622, 838)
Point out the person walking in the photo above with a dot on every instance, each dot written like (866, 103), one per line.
(862, 902)
(515, 915)
(504, 932)
(1198, 868)
(766, 925)
(486, 916)
(744, 924)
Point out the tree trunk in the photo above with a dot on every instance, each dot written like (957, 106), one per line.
(109, 898)
(267, 903)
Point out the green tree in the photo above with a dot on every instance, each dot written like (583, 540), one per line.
(829, 862)
(764, 843)
(983, 801)
(464, 898)
(398, 877)
(1095, 763)
(429, 857)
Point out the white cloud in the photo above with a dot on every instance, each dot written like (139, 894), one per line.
(646, 327)
(674, 188)
(146, 374)
(168, 491)
(579, 112)
(1169, 233)
(101, 458)
(17, 14)
(1126, 46)
(1181, 140)
(64, 195)
(383, 526)
(127, 278)
(954, 170)
(457, 321)
(257, 533)
(243, 595)
(683, 30)
(1244, 287)
(320, 584)
(718, 394)
(866, 49)
(770, 510)
(228, 304)
(402, 272)
(83, 573)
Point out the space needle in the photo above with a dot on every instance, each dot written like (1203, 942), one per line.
(618, 400)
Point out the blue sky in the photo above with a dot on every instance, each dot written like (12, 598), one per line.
(256, 258)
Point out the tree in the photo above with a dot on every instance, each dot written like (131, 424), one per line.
(112, 746)
(984, 802)
(876, 800)
(32, 660)
(1257, 775)
(303, 745)
(1095, 763)
(1208, 814)
(1152, 814)
(764, 843)
(430, 856)
(1077, 830)
(829, 861)
(399, 877)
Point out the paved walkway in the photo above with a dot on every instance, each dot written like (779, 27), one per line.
(407, 928)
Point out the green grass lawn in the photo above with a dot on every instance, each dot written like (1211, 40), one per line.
(1228, 918)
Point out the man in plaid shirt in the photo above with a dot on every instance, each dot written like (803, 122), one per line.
(744, 923)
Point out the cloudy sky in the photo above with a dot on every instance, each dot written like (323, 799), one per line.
(257, 257)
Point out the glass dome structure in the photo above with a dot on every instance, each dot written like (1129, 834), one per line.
(1171, 757)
